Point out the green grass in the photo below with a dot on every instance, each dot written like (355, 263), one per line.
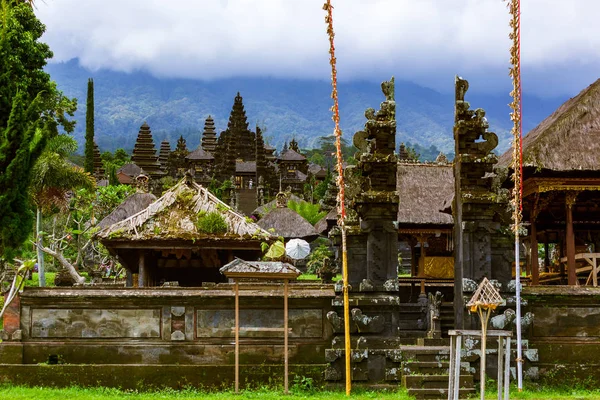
(313, 277)
(23, 393)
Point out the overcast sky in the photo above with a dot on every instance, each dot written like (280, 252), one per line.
(424, 41)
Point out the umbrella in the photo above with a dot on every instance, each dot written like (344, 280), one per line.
(297, 249)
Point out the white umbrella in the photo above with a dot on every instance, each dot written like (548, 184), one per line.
(297, 249)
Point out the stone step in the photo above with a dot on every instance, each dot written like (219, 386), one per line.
(429, 367)
(425, 353)
(438, 393)
(435, 381)
(433, 342)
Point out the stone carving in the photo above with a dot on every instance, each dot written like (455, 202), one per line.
(366, 286)
(391, 285)
(504, 321)
(435, 323)
(365, 323)
(469, 285)
(512, 286)
(336, 321)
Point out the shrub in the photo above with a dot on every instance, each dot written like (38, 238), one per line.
(211, 223)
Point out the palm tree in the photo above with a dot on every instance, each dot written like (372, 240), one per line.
(53, 176)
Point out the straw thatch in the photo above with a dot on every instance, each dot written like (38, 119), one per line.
(174, 216)
(245, 166)
(423, 190)
(567, 140)
(264, 209)
(327, 221)
(287, 223)
(130, 206)
(200, 154)
(291, 155)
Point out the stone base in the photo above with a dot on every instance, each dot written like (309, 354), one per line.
(147, 377)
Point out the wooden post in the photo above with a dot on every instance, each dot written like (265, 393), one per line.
(237, 337)
(500, 366)
(572, 273)
(456, 387)
(535, 267)
(421, 272)
(285, 334)
(142, 269)
(507, 368)
(451, 367)
(546, 252)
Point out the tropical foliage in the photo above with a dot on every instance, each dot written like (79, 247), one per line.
(310, 212)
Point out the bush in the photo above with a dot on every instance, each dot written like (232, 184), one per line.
(211, 223)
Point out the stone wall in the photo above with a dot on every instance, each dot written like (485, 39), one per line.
(161, 327)
(566, 331)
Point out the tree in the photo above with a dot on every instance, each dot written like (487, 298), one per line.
(31, 110)
(53, 177)
(89, 129)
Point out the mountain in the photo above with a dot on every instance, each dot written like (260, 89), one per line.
(285, 107)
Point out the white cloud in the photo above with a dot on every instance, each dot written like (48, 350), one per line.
(426, 41)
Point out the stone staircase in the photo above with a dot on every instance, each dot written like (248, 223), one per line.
(247, 200)
(425, 369)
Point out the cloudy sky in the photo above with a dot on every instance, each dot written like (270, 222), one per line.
(424, 41)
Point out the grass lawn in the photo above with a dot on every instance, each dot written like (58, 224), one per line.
(22, 393)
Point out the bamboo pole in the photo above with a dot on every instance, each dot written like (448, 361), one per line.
(514, 7)
(340, 183)
(237, 337)
(285, 335)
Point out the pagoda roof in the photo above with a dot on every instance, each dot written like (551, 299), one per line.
(423, 191)
(291, 155)
(567, 140)
(174, 216)
(245, 166)
(200, 154)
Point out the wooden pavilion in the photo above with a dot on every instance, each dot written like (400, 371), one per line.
(561, 190)
(184, 236)
(424, 189)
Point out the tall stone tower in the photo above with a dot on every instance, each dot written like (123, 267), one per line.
(144, 153)
(163, 155)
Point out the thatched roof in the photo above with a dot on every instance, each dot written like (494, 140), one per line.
(423, 190)
(291, 155)
(569, 139)
(175, 214)
(131, 170)
(264, 209)
(259, 269)
(200, 154)
(245, 166)
(131, 205)
(287, 223)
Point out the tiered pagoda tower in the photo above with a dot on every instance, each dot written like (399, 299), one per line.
(98, 166)
(209, 136)
(144, 153)
(241, 139)
(163, 155)
(177, 163)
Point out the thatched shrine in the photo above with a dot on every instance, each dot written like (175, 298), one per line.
(561, 183)
(184, 236)
(424, 189)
